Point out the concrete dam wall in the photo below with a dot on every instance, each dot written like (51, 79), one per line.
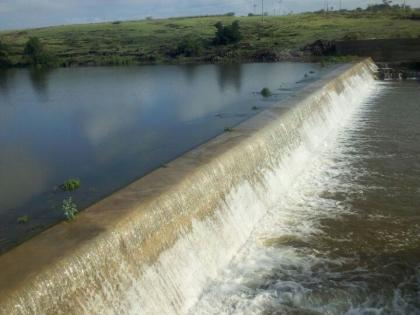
(151, 247)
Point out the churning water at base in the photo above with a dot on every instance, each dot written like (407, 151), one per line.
(345, 238)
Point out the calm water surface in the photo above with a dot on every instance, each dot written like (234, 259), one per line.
(347, 241)
(109, 126)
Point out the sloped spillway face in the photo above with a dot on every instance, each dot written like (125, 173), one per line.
(180, 274)
(153, 247)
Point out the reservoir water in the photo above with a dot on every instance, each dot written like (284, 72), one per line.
(345, 239)
(109, 126)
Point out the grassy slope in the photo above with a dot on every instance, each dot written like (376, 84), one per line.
(150, 41)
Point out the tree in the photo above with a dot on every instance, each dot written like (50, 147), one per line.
(36, 53)
(227, 34)
(4, 56)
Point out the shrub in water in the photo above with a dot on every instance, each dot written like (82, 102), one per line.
(69, 209)
(266, 92)
(23, 219)
(70, 185)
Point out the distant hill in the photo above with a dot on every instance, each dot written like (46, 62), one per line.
(190, 40)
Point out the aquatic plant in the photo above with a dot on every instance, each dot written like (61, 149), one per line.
(265, 92)
(23, 219)
(71, 184)
(69, 209)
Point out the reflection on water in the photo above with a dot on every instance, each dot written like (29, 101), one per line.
(348, 241)
(230, 76)
(109, 126)
(5, 77)
(39, 80)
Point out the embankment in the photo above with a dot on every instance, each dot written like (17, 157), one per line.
(151, 247)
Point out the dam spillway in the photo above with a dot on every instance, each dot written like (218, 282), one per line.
(152, 247)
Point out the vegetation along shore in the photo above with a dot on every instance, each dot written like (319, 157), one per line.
(209, 39)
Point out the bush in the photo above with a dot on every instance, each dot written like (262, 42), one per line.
(230, 14)
(414, 16)
(227, 34)
(189, 48)
(36, 54)
(4, 56)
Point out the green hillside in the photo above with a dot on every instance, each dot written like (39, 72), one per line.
(158, 41)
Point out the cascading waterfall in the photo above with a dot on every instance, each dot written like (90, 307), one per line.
(279, 270)
(154, 246)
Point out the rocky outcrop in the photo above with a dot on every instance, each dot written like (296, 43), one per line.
(321, 48)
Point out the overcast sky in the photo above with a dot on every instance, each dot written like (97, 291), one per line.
(33, 13)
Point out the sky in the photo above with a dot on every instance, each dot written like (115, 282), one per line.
(16, 14)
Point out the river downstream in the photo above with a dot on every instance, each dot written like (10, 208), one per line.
(346, 239)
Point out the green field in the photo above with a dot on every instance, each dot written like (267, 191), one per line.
(154, 41)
